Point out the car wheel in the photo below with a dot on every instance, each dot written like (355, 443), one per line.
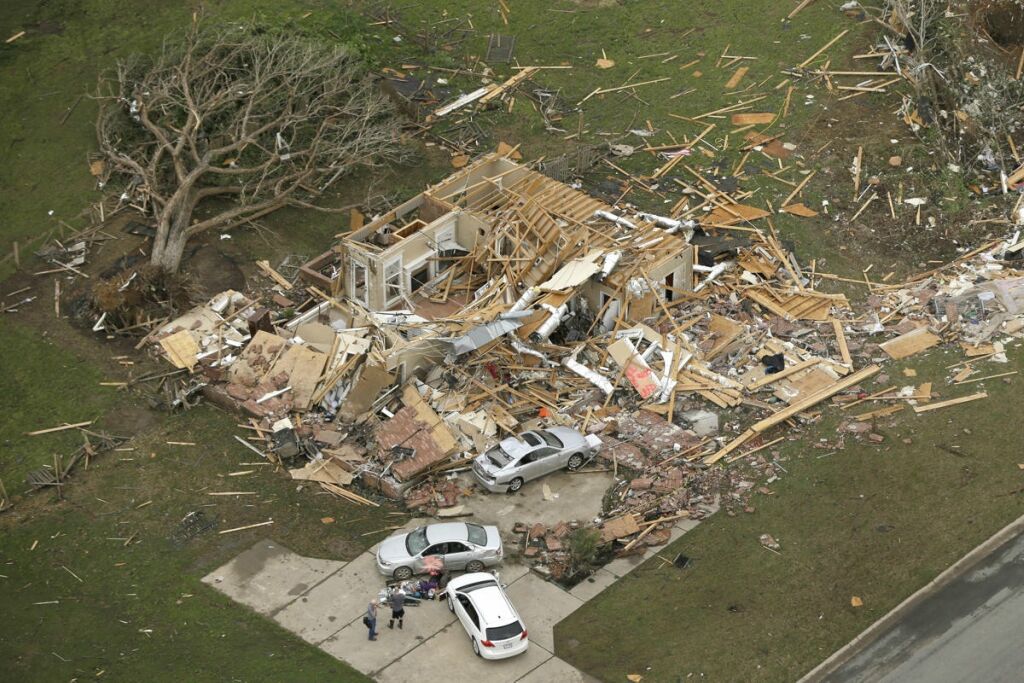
(515, 485)
(474, 566)
(451, 605)
(476, 646)
(402, 573)
(575, 461)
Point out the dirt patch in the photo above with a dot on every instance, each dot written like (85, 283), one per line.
(214, 270)
(1002, 20)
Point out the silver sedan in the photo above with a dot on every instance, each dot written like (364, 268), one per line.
(452, 545)
(513, 462)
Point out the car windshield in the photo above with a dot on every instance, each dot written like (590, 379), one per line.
(477, 535)
(469, 588)
(531, 438)
(551, 439)
(416, 541)
(498, 457)
(504, 632)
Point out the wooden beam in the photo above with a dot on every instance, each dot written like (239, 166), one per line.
(950, 402)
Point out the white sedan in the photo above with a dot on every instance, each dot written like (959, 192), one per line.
(494, 627)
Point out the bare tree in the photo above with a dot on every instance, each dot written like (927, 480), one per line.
(237, 112)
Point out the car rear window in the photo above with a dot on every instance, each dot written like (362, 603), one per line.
(504, 632)
(477, 535)
(551, 439)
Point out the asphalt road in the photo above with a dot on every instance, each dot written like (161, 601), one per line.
(971, 630)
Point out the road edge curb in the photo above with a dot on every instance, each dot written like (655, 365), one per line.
(954, 571)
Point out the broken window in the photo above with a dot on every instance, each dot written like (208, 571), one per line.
(419, 277)
(358, 287)
(393, 281)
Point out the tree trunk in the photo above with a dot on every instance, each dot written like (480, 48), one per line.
(171, 234)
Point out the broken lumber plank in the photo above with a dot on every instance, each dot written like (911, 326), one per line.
(269, 271)
(509, 84)
(794, 409)
(753, 118)
(782, 374)
(844, 350)
(247, 526)
(982, 379)
(881, 412)
(827, 45)
(61, 428)
(950, 402)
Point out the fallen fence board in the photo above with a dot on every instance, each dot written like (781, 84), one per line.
(950, 402)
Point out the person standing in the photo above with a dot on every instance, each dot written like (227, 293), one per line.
(397, 601)
(370, 620)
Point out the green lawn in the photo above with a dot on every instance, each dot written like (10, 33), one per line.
(139, 611)
(44, 386)
(877, 522)
(872, 521)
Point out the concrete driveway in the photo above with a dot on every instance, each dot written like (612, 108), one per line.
(323, 601)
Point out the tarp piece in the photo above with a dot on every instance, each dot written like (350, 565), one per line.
(478, 336)
(573, 274)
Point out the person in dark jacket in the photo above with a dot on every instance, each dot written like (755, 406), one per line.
(397, 601)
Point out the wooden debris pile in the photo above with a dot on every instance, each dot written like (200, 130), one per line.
(501, 300)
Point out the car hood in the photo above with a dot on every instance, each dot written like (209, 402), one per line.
(393, 548)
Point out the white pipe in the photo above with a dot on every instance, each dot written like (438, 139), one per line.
(611, 259)
(712, 274)
(618, 220)
(552, 323)
(524, 349)
(525, 300)
(594, 378)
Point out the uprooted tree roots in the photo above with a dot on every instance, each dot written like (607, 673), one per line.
(964, 70)
(135, 297)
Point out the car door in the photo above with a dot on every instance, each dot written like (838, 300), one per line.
(458, 555)
(531, 465)
(467, 614)
(546, 460)
(437, 549)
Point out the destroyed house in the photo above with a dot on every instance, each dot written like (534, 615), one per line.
(499, 237)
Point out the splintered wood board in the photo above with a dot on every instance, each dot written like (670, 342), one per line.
(735, 213)
(737, 77)
(910, 343)
(753, 119)
(950, 402)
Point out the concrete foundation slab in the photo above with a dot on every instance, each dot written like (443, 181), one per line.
(590, 587)
(351, 644)
(574, 496)
(624, 565)
(541, 605)
(556, 670)
(448, 656)
(268, 576)
(339, 600)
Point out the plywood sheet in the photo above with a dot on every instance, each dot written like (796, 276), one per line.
(303, 366)
(910, 343)
(256, 359)
(735, 213)
(181, 349)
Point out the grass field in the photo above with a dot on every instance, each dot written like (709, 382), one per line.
(872, 521)
(877, 522)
